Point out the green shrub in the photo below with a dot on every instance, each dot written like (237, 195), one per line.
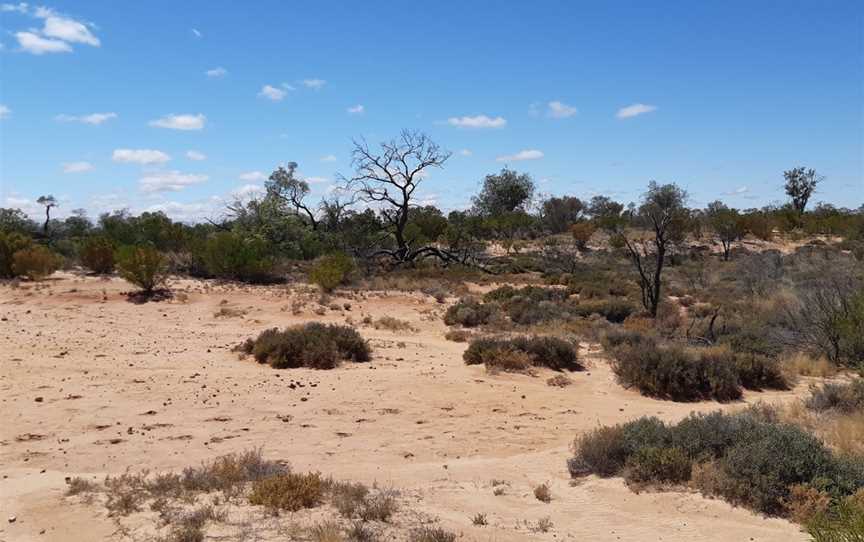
(534, 293)
(97, 254)
(10, 243)
(601, 451)
(756, 372)
(469, 312)
(652, 464)
(550, 352)
(841, 523)
(288, 491)
(35, 263)
(614, 310)
(230, 255)
(143, 266)
(314, 345)
(330, 271)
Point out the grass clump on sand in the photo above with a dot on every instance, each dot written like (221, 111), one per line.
(314, 345)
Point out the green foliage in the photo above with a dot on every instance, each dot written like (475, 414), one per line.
(10, 243)
(231, 255)
(97, 254)
(559, 214)
(653, 464)
(143, 266)
(842, 523)
(332, 270)
(504, 193)
(314, 345)
(35, 262)
(550, 352)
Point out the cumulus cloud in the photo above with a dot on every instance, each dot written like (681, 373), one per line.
(4, 111)
(140, 156)
(272, 93)
(248, 191)
(196, 155)
(37, 45)
(356, 110)
(93, 118)
(634, 110)
(169, 181)
(252, 176)
(77, 167)
(217, 72)
(57, 34)
(478, 121)
(530, 154)
(328, 158)
(560, 110)
(315, 84)
(180, 122)
(465, 152)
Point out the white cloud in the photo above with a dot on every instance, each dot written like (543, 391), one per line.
(531, 154)
(737, 192)
(252, 176)
(314, 83)
(478, 121)
(20, 7)
(180, 122)
(356, 110)
(37, 45)
(465, 152)
(217, 72)
(328, 158)
(634, 110)
(196, 155)
(140, 156)
(560, 110)
(316, 180)
(169, 181)
(5, 112)
(93, 118)
(272, 93)
(248, 191)
(69, 30)
(185, 212)
(197, 33)
(77, 167)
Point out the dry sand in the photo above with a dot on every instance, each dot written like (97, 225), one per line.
(93, 384)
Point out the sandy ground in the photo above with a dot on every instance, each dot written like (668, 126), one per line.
(92, 384)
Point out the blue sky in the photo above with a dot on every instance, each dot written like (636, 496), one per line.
(179, 105)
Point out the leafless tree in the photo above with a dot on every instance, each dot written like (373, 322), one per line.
(388, 177)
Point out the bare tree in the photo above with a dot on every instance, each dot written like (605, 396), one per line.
(663, 211)
(389, 177)
(49, 202)
(800, 185)
(285, 188)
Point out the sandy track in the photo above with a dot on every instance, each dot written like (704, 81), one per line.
(156, 386)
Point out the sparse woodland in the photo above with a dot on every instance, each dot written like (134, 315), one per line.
(685, 304)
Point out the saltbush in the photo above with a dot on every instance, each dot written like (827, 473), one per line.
(288, 491)
(143, 266)
(231, 255)
(653, 464)
(35, 263)
(847, 397)
(10, 243)
(469, 312)
(314, 345)
(97, 255)
(550, 352)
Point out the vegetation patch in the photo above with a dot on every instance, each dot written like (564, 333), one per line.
(314, 345)
(521, 353)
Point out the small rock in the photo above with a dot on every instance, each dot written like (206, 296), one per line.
(12, 519)
(39, 399)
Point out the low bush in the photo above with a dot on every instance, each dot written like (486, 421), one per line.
(843, 522)
(550, 352)
(747, 458)
(536, 294)
(431, 534)
(143, 266)
(843, 397)
(332, 270)
(469, 312)
(314, 345)
(35, 263)
(614, 310)
(288, 491)
(10, 243)
(230, 255)
(97, 255)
